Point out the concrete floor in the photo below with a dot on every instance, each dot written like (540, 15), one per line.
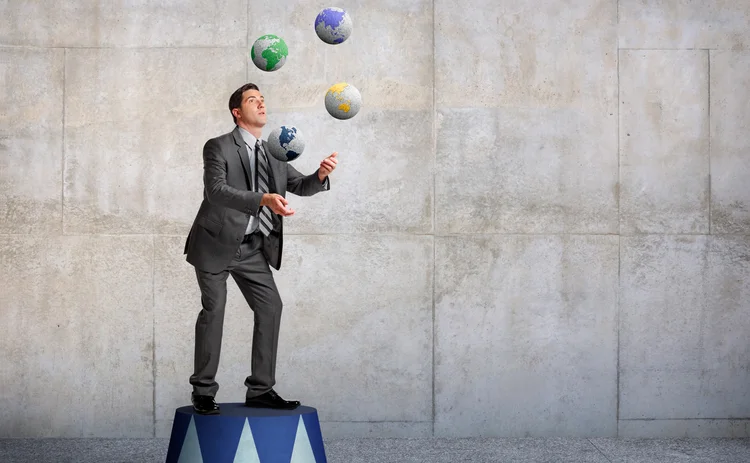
(533, 450)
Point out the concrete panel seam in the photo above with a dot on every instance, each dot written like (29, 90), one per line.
(685, 419)
(677, 234)
(666, 49)
(708, 53)
(130, 47)
(619, 219)
(445, 235)
(62, 170)
(619, 247)
(433, 235)
(378, 422)
(457, 235)
(247, 40)
(434, 165)
(153, 329)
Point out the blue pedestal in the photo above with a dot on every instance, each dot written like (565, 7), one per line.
(242, 434)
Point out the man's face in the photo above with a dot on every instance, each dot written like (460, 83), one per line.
(253, 109)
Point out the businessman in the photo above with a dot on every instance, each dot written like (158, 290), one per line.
(238, 231)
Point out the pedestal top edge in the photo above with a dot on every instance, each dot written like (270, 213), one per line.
(239, 410)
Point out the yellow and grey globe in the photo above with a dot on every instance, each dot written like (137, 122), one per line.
(269, 52)
(286, 143)
(343, 101)
(333, 25)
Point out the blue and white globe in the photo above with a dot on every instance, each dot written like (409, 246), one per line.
(286, 143)
(333, 25)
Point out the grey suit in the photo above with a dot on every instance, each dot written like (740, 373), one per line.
(218, 247)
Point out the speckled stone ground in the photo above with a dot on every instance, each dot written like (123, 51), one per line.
(408, 450)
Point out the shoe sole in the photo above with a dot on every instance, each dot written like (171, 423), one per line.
(272, 408)
(210, 412)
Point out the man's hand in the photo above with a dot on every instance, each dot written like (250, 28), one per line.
(326, 166)
(276, 203)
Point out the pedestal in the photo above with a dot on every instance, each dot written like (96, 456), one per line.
(242, 434)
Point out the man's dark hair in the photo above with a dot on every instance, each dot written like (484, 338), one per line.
(235, 101)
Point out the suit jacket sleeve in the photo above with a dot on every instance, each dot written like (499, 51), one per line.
(215, 182)
(304, 185)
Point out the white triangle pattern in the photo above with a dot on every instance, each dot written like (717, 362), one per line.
(191, 448)
(302, 452)
(247, 452)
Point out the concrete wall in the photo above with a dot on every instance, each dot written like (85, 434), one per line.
(538, 226)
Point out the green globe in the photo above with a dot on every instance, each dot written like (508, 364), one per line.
(269, 52)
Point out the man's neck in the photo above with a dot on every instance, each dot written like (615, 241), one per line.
(255, 131)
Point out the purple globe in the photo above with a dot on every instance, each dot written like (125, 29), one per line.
(333, 25)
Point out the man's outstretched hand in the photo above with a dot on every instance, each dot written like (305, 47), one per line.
(277, 204)
(326, 166)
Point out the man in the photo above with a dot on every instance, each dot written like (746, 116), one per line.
(238, 231)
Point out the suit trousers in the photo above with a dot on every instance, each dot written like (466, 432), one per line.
(253, 276)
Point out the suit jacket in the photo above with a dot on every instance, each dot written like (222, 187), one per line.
(228, 202)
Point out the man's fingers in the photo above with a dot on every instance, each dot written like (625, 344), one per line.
(285, 212)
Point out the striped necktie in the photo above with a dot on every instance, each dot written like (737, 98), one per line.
(262, 184)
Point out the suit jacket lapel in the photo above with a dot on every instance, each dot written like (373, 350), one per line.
(275, 167)
(243, 154)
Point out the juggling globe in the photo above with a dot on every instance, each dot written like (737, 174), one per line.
(286, 143)
(269, 53)
(343, 101)
(333, 25)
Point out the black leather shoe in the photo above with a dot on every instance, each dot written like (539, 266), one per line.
(204, 404)
(271, 400)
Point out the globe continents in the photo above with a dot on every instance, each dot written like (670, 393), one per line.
(269, 52)
(333, 25)
(286, 143)
(343, 101)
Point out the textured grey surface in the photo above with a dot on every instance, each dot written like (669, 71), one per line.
(525, 337)
(525, 171)
(693, 290)
(690, 428)
(664, 148)
(675, 450)
(472, 450)
(547, 54)
(81, 23)
(31, 131)
(730, 144)
(684, 24)
(76, 340)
